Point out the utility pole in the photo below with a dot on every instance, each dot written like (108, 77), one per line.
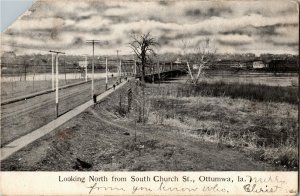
(120, 72)
(52, 75)
(120, 67)
(106, 78)
(93, 62)
(56, 78)
(65, 71)
(86, 68)
(25, 71)
(21, 74)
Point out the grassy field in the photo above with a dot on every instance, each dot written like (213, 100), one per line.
(262, 79)
(265, 127)
(181, 133)
(250, 91)
(259, 120)
(270, 80)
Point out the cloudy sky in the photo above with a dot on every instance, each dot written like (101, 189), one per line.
(233, 26)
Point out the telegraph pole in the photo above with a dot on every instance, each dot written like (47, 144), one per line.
(56, 74)
(25, 71)
(93, 62)
(120, 67)
(120, 72)
(106, 78)
(52, 75)
(86, 68)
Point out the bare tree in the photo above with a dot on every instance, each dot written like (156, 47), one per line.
(201, 56)
(142, 46)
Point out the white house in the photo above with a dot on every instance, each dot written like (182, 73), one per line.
(259, 65)
(82, 64)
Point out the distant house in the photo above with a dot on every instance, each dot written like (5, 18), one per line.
(82, 64)
(259, 65)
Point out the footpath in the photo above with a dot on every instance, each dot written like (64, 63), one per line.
(23, 141)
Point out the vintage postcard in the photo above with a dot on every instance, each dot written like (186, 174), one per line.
(151, 97)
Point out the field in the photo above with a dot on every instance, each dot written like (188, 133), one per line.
(264, 130)
(264, 79)
(184, 130)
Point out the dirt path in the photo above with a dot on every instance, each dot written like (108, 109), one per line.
(98, 140)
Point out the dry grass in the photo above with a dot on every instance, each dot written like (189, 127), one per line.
(284, 155)
(256, 92)
(260, 80)
(265, 130)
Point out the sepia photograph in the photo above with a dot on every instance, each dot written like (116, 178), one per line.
(170, 85)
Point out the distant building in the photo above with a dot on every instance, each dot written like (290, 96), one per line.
(82, 64)
(259, 65)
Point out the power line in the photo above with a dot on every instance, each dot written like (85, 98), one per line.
(56, 91)
(118, 53)
(120, 67)
(93, 63)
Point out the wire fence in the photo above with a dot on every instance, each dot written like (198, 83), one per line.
(22, 75)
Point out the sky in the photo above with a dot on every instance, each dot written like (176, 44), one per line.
(11, 9)
(231, 26)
